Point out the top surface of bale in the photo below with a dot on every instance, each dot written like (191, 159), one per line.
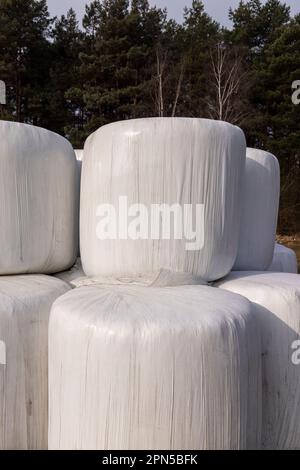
(169, 307)
(39, 200)
(261, 283)
(29, 285)
(276, 291)
(207, 306)
(154, 162)
(260, 203)
(261, 277)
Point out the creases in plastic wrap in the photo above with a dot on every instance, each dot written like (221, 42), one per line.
(277, 300)
(133, 367)
(25, 308)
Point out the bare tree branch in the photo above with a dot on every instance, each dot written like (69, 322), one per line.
(228, 78)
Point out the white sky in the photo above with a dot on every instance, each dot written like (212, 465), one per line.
(218, 9)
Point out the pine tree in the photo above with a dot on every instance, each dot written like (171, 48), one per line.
(116, 63)
(255, 23)
(277, 119)
(24, 57)
(65, 107)
(201, 33)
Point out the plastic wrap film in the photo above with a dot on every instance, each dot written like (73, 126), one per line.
(284, 260)
(24, 316)
(162, 278)
(260, 204)
(277, 300)
(193, 167)
(135, 367)
(39, 201)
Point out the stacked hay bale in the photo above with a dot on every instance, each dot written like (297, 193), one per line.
(39, 201)
(153, 368)
(156, 367)
(276, 300)
(26, 301)
(260, 202)
(276, 297)
(38, 234)
(191, 163)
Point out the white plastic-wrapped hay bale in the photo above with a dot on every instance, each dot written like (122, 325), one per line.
(153, 368)
(25, 307)
(161, 193)
(284, 260)
(39, 200)
(260, 202)
(277, 300)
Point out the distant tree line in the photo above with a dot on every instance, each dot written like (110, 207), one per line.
(128, 60)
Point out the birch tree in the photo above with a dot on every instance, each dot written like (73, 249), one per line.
(228, 85)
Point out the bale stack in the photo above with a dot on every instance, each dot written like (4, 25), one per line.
(156, 366)
(158, 345)
(275, 297)
(38, 234)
